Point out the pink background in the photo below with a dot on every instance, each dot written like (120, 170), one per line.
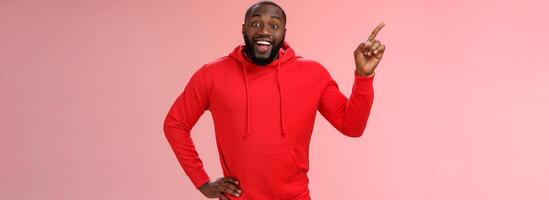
(460, 110)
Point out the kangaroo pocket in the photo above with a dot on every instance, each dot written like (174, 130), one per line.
(273, 174)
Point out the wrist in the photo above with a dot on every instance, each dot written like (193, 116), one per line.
(204, 185)
(365, 74)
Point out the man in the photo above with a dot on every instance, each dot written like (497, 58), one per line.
(263, 100)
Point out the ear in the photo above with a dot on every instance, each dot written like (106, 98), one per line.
(243, 28)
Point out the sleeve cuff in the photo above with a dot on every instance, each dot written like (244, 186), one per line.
(360, 76)
(199, 177)
(363, 84)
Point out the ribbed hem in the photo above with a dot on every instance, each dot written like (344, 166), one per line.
(370, 76)
(199, 177)
(363, 83)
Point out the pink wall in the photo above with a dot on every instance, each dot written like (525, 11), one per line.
(460, 111)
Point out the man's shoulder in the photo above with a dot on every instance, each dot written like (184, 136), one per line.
(311, 64)
(222, 61)
(217, 65)
(308, 61)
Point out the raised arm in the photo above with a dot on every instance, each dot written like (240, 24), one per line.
(350, 115)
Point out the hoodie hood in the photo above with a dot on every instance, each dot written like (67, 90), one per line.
(286, 55)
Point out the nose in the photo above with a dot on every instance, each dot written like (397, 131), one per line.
(265, 30)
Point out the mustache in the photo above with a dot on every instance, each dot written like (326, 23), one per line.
(264, 37)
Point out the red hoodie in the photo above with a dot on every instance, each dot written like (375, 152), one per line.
(263, 118)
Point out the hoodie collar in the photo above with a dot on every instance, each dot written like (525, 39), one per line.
(286, 55)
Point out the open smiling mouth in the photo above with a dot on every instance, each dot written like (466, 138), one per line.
(263, 46)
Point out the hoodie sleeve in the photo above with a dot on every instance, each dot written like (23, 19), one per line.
(348, 116)
(182, 116)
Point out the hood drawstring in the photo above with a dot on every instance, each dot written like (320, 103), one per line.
(287, 55)
(247, 132)
(281, 102)
(248, 111)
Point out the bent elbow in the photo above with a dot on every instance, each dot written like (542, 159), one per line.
(167, 124)
(353, 131)
(355, 134)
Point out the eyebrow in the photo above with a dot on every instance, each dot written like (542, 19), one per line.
(258, 15)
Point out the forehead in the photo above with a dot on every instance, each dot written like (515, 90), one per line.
(266, 10)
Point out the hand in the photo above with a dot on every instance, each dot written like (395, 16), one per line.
(217, 188)
(369, 53)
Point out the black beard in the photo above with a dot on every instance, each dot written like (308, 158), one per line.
(249, 48)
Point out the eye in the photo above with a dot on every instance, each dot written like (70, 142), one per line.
(275, 26)
(255, 24)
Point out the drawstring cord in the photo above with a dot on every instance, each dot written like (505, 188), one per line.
(281, 102)
(247, 132)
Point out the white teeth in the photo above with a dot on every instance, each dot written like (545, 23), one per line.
(263, 42)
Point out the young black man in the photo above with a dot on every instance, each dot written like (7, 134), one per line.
(263, 100)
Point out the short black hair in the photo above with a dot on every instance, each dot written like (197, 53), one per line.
(249, 11)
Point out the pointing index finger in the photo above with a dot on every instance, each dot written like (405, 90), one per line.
(375, 31)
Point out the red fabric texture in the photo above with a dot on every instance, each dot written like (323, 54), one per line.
(263, 119)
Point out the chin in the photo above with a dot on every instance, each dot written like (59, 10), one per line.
(262, 57)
